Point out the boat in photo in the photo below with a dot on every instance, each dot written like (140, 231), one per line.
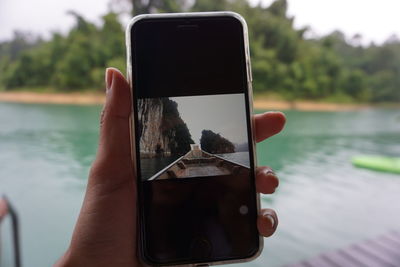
(199, 163)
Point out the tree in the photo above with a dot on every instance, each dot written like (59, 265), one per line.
(152, 6)
(175, 128)
(215, 144)
(284, 62)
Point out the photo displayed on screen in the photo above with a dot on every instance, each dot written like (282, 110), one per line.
(193, 136)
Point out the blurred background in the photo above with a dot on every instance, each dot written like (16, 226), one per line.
(333, 66)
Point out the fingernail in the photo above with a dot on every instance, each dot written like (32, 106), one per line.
(273, 178)
(270, 172)
(271, 219)
(109, 78)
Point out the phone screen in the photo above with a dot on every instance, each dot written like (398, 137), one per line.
(195, 165)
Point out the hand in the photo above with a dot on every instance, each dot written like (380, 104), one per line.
(105, 233)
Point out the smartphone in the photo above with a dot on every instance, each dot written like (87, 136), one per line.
(192, 138)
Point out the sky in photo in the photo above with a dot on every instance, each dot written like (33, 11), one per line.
(223, 114)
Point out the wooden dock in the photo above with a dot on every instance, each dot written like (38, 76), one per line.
(384, 251)
(199, 163)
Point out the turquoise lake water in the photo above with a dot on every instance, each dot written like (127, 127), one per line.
(323, 202)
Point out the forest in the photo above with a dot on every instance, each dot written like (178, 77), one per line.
(286, 62)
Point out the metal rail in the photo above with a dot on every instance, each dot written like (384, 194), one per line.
(15, 232)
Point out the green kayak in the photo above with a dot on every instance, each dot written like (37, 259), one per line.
(378, 163)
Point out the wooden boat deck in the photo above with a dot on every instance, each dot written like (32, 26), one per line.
(383, 251)
(198, 163)
(196, 171)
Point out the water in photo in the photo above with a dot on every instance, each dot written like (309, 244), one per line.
(193, 136)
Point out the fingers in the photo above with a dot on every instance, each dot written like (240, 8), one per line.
(266, 180)
(268, 124)
(266, 183)
(267, 222)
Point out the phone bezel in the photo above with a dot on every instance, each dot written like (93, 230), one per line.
(250, 111)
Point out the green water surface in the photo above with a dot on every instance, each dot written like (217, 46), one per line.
(323, 201)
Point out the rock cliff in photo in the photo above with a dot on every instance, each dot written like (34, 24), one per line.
(215, 144)
(162, 131)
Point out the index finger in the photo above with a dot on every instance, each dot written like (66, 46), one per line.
(268, 124)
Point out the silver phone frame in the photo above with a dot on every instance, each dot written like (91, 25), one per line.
(250, 104)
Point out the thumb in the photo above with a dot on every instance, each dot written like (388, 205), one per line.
(113, 157)
(114, 126)
(112, 168)
(106, 227)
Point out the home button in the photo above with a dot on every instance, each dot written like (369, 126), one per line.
(200, 248)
